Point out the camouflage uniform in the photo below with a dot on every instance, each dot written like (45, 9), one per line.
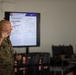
(6, 58)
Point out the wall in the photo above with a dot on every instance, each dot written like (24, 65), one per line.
(58, 21)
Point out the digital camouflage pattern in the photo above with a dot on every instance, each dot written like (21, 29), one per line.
(6, 58)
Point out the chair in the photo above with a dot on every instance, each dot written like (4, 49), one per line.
(59, 54)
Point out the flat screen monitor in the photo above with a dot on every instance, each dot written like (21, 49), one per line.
(25, 28)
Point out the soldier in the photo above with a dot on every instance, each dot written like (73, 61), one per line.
(6, 49)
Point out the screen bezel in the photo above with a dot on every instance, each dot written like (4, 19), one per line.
(7, 14)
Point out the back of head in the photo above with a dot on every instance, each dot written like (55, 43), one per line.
(5, 26)
(4, 23)
(73, 70)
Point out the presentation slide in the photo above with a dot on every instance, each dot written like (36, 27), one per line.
(24, 30)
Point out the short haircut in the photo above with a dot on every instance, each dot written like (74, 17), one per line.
(73, 70)
(3, 22)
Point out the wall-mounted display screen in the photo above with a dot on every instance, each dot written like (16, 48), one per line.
(25, 28)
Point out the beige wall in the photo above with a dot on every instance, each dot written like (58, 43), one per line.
(58, 21)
